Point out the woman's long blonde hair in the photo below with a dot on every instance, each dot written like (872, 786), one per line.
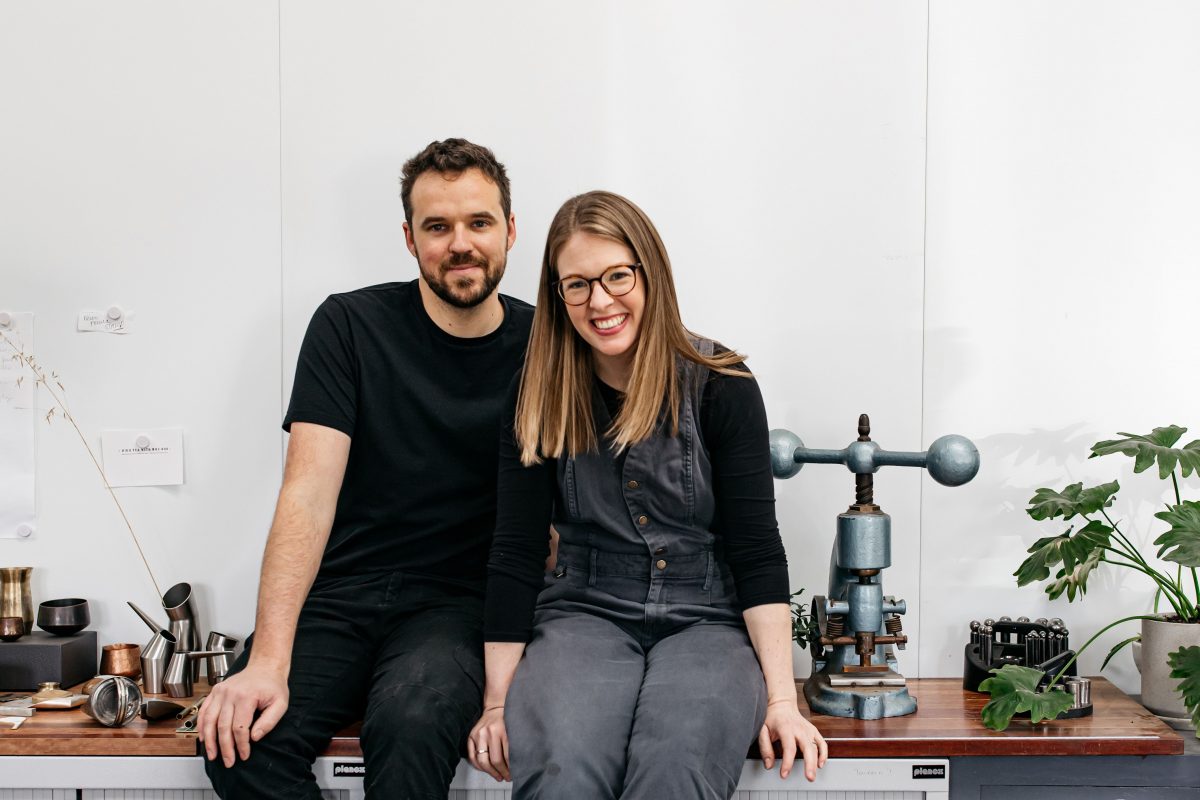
(554, 408)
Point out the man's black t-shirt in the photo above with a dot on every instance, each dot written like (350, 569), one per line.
(422, 409)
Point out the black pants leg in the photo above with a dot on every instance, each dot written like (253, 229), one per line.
(425, 695)
(331, 668)
(413, 649)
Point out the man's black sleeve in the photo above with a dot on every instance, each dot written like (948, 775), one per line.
(325, 391)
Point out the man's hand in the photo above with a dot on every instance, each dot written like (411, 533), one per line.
(487, 745)
(796, 735)
(225, 719)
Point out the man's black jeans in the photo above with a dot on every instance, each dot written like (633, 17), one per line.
(402, 653)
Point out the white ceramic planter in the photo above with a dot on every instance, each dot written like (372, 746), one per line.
(1159, 693)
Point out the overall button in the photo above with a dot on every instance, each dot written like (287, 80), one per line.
(631, 485)
(643, 519)
(661, 564)
(660, 551)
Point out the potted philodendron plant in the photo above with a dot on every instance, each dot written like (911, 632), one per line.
(1169, 641)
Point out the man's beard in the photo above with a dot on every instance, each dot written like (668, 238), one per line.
(464, 292)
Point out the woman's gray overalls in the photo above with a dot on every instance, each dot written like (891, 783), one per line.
(640, 681)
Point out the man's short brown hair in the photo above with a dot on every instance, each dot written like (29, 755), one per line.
(453, 157)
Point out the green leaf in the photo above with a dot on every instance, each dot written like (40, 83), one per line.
(1117, 648)
(1014, 691)
(1048, 504)
(1078, 554)
(998, 712)
(1185, 664)
(804, 628)
(1044, 554)
(1093, 536)
(1155, 446)
(1184, 535)
(1075, 581)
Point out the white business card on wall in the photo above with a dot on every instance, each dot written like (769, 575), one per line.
(114, 320)
(143, 457)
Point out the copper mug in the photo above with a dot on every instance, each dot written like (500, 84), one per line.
(121, 659)
(11, 628)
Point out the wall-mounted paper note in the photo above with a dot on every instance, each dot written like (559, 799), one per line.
(18, 415)
(114, 320)
(143, 457)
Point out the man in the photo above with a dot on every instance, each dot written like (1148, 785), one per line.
(370, 599)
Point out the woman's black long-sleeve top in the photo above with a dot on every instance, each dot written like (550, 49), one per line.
(733, 423)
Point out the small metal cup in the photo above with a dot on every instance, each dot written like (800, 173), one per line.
(121, 659)
(11, 628)
(1081, 691)
(218, 666)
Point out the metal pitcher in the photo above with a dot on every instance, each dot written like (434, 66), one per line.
(156, 655)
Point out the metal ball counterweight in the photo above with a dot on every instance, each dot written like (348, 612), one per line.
(951, 460)
(784, 445)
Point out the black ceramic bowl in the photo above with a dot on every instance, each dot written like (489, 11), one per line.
(64, 617)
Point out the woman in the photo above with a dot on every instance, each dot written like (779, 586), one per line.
(647, 449)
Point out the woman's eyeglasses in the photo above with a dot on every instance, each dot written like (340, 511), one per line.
(575, 290)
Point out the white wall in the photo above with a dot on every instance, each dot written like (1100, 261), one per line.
(945, 266)
(780, 155)
(1061, 267)
(139, 165)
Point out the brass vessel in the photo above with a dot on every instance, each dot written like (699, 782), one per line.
(16, 600)
(49, 690)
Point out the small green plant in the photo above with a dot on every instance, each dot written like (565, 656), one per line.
(804, 628)
(1100, 540)
(1014, 691)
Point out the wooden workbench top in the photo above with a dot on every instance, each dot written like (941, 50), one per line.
(73, 733)
(946, 724)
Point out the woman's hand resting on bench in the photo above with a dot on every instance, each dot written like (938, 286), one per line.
(488, 745)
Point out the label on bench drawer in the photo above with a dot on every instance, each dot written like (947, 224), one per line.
(935, 771)
(351, 769)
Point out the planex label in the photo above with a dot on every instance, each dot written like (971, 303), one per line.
(935, 771)
(351, 770)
